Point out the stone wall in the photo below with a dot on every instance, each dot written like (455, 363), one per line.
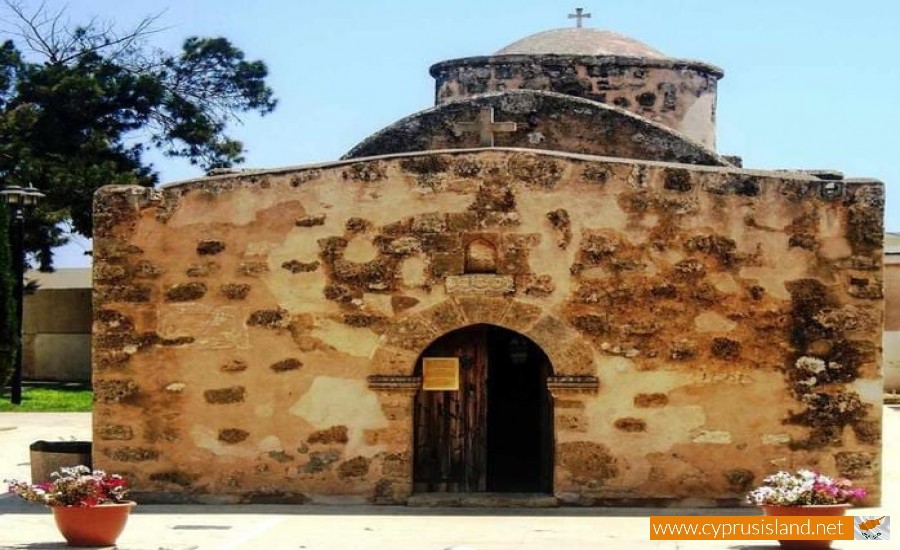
(255, 335)
(56, 342)
(678, 94)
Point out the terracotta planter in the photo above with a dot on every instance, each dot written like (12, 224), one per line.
(94, 525)
(806, 510)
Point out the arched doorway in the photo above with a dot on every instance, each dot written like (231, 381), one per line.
(495, 433)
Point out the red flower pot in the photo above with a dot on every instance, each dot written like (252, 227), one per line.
(805, 510)
(94, 525)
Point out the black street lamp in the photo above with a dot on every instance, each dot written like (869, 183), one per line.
(19, 200)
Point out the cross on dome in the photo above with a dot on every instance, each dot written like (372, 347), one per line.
(579, 15)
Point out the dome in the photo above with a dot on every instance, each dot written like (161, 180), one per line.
(581, 41)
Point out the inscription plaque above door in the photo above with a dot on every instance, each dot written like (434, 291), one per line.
(440, 373)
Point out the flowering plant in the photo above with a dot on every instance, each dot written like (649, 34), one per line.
(804, 487)
(76, 486)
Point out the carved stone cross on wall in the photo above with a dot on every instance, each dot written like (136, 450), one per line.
(485, 126)
(579, 15)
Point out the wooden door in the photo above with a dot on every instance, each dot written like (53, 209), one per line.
(451, 426)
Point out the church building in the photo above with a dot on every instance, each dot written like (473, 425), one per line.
(548, 284)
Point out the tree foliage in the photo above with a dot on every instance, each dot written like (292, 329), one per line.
(81, 105)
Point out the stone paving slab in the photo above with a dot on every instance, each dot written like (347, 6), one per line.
(26, 526)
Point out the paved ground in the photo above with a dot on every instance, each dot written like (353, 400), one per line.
(156, 527)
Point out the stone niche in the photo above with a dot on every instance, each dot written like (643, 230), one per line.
(703, 324)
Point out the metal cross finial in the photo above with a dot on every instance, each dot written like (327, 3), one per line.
(485, 126)
(579, 15)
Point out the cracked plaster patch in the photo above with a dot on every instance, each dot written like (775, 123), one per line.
(269, 444)
(210, 327)
(346, 339)
(340, 402)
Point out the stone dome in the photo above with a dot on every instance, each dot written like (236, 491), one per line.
(581, 41)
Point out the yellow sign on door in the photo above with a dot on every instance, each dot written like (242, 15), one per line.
(440, 373)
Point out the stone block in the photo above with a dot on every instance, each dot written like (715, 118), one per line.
(115, 432)
(716, 437)
(412, 333)
(440, 242)
(388, 360)
(334, 434)
(444, 317)
(185, 292)
(286, 365)
(575, 422)
(355, 467)
(210, 327)
(462, 221)
(131, 454)
(740, 480)
(447, 263)
(521, 316)
(855, 466)
(432, 222)
(310, 221)
(210, 247)
(233, 435)
(551, 334)
(400, 304)
(651, 400)
(235, 291)
(575, 359)
(484, 285)
(483, 309)
(114, 391)
(586, 460)
(630, 424)
(235, 365)
(321, 461)
(396, 465)
(252, 269)
(175, 477)
(223, 396)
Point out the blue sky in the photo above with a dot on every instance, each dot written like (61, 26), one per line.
(808, 83)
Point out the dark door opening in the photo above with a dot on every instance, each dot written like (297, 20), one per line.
(495, 433)
(518, 415)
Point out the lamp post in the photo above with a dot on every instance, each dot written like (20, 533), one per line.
(19, 200)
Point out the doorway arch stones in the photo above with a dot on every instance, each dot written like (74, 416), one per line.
(572, 357)
(394, 360)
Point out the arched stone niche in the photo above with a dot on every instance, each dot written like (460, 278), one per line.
(481, 257)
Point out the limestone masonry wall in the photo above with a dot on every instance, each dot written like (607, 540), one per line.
(255, 335)
(679, 95)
